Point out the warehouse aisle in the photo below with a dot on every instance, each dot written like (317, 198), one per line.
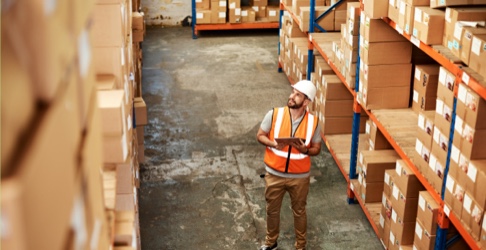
(200, 184)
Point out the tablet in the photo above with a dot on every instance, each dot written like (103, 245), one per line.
(288, 140)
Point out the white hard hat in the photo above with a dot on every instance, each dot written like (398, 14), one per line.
(307, 88)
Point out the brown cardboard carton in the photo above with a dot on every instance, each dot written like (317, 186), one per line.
(477, 56)
(234, 4)
(248, 15)
(335, 89)
(472, 215)
(273, 13)
(372, 192)
(405, 208)
(376, 8)
(401, 233)
(326, 22)
(426, 126)
(113, 112)
(377, 140)
(376, 162)
(393, 75)
(454, 196)
(406, 180)
(394, 10)
(234, 15)
(471, 107)
(336, 125)
(466, 42)
(425, 87)
(376, 30)
(373, 53)
(427, 212)
(423, 238)
(390, 176)
(454, 15)
(384, 97)
(428, 25)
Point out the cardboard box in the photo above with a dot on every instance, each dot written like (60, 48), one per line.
(110, 61)
(427, 212)
(108, 25)
(335, 89)
(203, 16)
(376, 162)
(472, 215)
(48, 162)
(468, 14)
(390, 176)
(234, 4)
(140, 112)
(406, 181)
(448, 3)
(426, 126)
(401, 233)
(471, 107)
(454, 196)
(466, 41)
(393, 75)
(248, 15)
(376, 30)
(372, 192)
(376, 8)
(326, 22)
(113, 115)
(374, 53)
(428, 25)
(234, 15)
(384, 97)
(423, 238)
(394, 10)
(273, 13)
(406, 208)
(477, 56)
(377, 140)
(425, 85)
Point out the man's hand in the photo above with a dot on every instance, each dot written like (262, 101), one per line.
(299, 146)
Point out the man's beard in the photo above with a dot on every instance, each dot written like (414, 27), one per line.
(295, 105)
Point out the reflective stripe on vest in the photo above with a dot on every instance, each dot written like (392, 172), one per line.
(299, 161)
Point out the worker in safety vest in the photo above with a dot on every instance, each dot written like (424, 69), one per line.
(287, 160)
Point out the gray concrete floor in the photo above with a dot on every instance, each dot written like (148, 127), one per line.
(200, 184)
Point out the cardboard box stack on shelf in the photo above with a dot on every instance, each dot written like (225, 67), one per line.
(371, 167)
(73, 98)
(385, 68)
(333, 103)
(293, 49)
(117, 33)
(234, 11)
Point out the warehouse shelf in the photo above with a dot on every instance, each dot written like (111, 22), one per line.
(401, 136)
(233, 26)
(440, 55)
(464, 75)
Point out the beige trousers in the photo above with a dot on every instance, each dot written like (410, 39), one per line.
(275, 188)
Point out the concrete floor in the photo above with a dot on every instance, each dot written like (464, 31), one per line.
(200, 184)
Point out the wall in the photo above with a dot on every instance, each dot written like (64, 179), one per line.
(165, 12)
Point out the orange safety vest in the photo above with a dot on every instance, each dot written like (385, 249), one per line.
(288, 159)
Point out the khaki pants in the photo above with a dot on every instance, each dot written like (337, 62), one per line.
(275, 188)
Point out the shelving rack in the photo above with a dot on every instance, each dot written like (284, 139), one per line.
(462, 77)
(227, 26)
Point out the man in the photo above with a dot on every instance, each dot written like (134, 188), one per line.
(288, 163)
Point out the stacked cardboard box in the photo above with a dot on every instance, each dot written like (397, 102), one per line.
(371, 167)
(426, 79)
(402, 12)
(448, 3)
(404, 200)
(468, 163)
(428, 25)
(51, 133)
(385, 68)
(460, 26)
(349, 44)
(386, 207)
(377, 141)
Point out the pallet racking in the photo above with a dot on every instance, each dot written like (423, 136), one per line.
(347, 165)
